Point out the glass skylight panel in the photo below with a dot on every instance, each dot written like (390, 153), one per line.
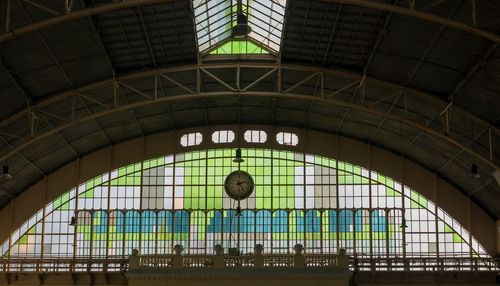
(235, 47)
(214, 20)
(266, 19)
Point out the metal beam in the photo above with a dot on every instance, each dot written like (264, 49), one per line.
(132, 111)
(371, 109)
(16, 151)
(146, 37)
(491, 50)
(15, 82)
(369, 4)
(61, 136)
(96, 122)
(427, 17)
(217, 79)
(169, 110)
(412, 141)
(385, 117)
(49, 100)
(98, 38)
(454, 157)
(431, 46)
(334, 28)
(183, 97)
(49, 50)
(304, 80)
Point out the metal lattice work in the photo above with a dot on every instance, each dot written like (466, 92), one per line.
(321, 203)
(93, 63)
(404, 121)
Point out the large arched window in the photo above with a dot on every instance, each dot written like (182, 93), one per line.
(319, 202)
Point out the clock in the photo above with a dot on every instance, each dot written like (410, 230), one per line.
(239, 185)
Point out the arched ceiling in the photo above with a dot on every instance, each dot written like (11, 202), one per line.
(420, 81)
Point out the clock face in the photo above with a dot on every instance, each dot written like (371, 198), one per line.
(239, 185)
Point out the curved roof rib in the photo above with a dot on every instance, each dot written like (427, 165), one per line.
(383, 108)
(424, 16)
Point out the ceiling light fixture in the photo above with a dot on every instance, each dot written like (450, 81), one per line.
(474, 173)
(5, 173)
(237, 157)
(241, 30)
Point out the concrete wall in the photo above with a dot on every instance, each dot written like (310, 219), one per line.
(382, 161)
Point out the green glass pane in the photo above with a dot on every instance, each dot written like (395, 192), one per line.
(457, 238)
(392, 193)
(448, 229)
(238, 48)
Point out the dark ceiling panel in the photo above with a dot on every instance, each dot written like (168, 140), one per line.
(330, 34)
(150, 36)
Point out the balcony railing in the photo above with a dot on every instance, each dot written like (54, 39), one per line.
(187, 262)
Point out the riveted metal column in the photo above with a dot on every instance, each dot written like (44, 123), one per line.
(141, 189)
(404, 225)
(75, 213)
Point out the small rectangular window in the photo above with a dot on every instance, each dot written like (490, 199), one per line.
(223, 136)
(287, 138)
(255, 136)
(191, 139)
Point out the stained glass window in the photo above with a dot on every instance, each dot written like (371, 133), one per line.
(319, 202)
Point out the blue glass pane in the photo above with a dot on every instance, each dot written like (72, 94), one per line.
(280, 221)
(313, 222)
(148, 221)
(181, 222)
(100, 221)
(132, 221)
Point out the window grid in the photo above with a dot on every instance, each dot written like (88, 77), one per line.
(318, 202)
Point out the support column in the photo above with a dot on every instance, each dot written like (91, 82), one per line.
(497, 226)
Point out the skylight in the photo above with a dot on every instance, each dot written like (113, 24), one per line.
(215, 19)
(238, 47)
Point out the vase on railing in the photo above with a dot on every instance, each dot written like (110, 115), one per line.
(298, 248)
(134, 261)
(258, 257)
(218, 249)
(219, 256)
(342, 260)
(178, 259)
(299, 258)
